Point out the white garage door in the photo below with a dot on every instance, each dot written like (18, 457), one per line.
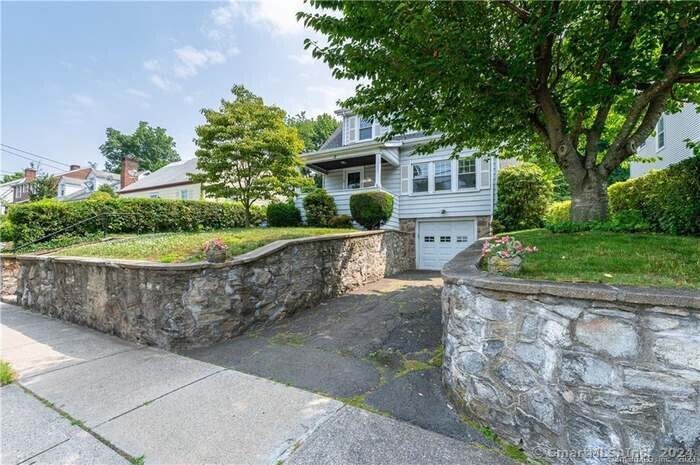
(440, 241)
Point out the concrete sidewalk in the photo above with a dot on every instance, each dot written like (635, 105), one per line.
(84, 397)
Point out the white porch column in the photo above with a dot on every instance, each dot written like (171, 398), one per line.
(378, 170)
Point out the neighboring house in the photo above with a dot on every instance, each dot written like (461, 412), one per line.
(445, 203)
(668, 142)
(80, 183)
(170, 182)
(7, 193)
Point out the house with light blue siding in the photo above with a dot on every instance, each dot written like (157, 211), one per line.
(446, 203)
(667, 144)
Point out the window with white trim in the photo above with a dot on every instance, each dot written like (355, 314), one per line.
(353, 179)
(154, 195)
(443, 175)
(466, 174)
(660, 134)
(445, 238)
(429, 239)
(184, 194)
(462, 238)
(365, 132)
(420, 177)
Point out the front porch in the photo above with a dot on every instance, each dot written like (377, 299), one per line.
(371, 167)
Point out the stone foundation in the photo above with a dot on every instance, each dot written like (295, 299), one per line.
(172, 305)
(573, 367)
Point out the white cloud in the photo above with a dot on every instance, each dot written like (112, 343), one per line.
(151, 65)
(164, 83)
(278, 16)
(191, 60)
(302, 58)
(138, 93)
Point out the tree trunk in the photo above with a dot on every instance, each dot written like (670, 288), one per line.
(589, 199)
(246, 214)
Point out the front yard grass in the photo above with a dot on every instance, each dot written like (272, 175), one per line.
(187, 246)
(649, 260)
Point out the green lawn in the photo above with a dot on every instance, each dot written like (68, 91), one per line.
(612, 258)
(187, 247)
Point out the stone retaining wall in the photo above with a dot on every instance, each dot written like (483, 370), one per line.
(172, 305)
(573, 367)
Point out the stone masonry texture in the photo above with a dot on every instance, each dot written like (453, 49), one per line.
(199, 304)
(572, 374)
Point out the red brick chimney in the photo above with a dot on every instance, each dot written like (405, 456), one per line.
(30, 174)
(130, 167)
(74, 167)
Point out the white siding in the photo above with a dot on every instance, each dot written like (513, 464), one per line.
(466, 203)
(677, 128)
(194, 192)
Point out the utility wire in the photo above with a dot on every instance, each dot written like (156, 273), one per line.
(35, 155)
(33, 159)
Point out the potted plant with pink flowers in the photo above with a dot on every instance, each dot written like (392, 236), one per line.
(215, 250)
(504, 254)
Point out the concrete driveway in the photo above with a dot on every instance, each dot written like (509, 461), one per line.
(84, 397)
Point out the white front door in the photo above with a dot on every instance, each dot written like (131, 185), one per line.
(439, 241)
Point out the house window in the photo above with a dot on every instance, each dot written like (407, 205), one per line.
(184, 194)
(660, 134)
(462, 238)
(466, 176)
(443, 175)
(353, 179)
(429, 239)
(154, 195)
(445, 239)
(420, 177)
(365, 129)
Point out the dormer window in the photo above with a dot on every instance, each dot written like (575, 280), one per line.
(365, 129)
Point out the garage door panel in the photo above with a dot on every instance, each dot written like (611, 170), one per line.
(440, 241)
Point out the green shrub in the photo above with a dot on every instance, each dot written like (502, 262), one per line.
(283, 215)
(106, 188)
(34, 220)
(319, 208)
(523, 195)
(558, 212)
(101, 196)
(7, 230)
(371, 209)
(340, 221)
(668, 200)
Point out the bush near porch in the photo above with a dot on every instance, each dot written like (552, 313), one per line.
(33, 220)
(371, 209)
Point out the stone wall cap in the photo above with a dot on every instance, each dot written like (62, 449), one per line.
(247, 257)
(463, 269)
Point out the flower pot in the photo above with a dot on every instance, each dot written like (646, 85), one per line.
(216, 256)
(504, 265)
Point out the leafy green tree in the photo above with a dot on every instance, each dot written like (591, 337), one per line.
(152, 147)
(513, 74)
(246, 151)
(107, 189)
(313, 131)
(11, 177)
(44, 187)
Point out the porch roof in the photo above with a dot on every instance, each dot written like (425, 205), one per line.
(354, 155)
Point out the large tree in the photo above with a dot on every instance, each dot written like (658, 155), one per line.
(152, 147)
(246, 152)
(313, 131)
(584, 81)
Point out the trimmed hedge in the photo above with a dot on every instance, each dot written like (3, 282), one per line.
(371, 209)
(283, 215)
(33, 220)
(319, 207)
(524, 192)
(558, 212)
(669, 199)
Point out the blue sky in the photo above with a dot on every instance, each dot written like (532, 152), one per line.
(72, 69)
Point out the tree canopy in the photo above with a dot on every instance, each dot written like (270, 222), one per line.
(313, 131)
(584, 82)
(152, 147)
(11, 176)
(44, 187)
(246, 152)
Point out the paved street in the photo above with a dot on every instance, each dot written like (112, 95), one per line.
(88, 398)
